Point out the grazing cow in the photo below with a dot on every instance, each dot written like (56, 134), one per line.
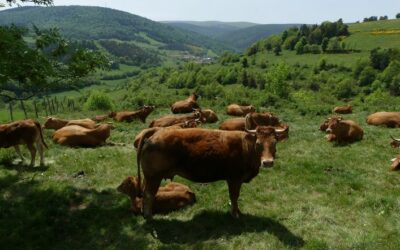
(237, 110)
(344, 131)
(395, 163)
(388, 119)
(204, 155)
(171, 120)
(209, 115)
(27, 132)
(185, 106)
(56, 123)
(253, 120)
(324, 125)
(187, 124)
(395, 142)
(128, 116)
(347, 109)
(173, 196)
(77, 136)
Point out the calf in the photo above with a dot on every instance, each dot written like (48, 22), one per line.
(77, 136)
(56, 123)
(185, 106)
(347, 109)
(173, 196)
(343, 131)
(27, 132)
(237, 110)
(128, 116)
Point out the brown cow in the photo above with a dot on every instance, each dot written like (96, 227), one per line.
(388, 119)
(129, 116)
(204, 155)
(344, 131)
(185, 106)
(100, 118)
(324, 125)
(237, 110)
(254, 120)
(27, 132)
(209, 115)
(56, 123)
(77, 136)
(171, 120)
(395, 163)
(173, 196)
(347, 109)
(187, 124)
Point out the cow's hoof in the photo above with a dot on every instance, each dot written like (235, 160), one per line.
(236, 214)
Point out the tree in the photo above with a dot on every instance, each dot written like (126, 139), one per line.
(300, 46)
(39, 2)
(398, 15)
(277, 49)
(276, 80)
(324, 44)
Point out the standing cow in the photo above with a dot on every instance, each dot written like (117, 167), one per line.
(27, 132)
(204, 155)
(344, 131)
(185, 106)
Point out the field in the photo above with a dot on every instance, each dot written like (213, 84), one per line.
(317, 196)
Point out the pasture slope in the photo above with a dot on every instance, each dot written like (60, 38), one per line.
(317, 196)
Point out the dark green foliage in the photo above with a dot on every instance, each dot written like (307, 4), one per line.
(345, 89)
(229, 57)
(130, 53)
(383, 18)
(380, 58)
(367, 76)
(359, 67)
(277, 49)
(99, 101)
(370, 19)
(398, 15)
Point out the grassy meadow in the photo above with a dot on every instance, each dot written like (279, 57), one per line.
(317, 196)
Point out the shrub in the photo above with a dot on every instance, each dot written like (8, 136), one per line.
(98, 101)
(344, 89)
(276, 80)
(367, 76)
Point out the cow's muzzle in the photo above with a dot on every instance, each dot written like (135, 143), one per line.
(267, 163)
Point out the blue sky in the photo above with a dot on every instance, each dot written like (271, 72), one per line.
(259, 11)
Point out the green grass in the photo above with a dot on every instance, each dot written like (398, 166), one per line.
(317, 196)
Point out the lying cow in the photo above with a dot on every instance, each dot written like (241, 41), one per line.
(101, 118)
(173, 196)
(395, 142)
(27, 132)
(130, 116)
(388, 119)
(209, 116)
(253, 120)
(204, 155)
(77, 136)
(395, 163)
(185, 106)
(347, 109)
(343, 131)
(171, 120)
(56, 123)
(237, 110)
(187, 124)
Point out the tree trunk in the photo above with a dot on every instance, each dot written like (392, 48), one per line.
(11, 111)
(23, 108)
(45, 107)
(35, 107)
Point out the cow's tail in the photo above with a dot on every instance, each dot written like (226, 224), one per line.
(37, 124)
(142, 140)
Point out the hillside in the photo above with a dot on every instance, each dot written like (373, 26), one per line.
(238, 35)
(96, 23)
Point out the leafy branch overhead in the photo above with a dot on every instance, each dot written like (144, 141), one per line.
(39, 2)
(28, 68)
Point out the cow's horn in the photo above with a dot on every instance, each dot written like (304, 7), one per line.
(280, 130)
(394, 139)
(250, 131)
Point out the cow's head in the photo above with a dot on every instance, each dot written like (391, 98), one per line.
(395, 163)
(395, 142)
(265, 145)
(199, 115)
(194, 96)
(112, 114)
(130, 186)
(334, 124)
(191, 123)
(147, 108)
(54, 123)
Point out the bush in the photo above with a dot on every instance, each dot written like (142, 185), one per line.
(344, 89)
(276, 80)
(367, 76)
(98, 101)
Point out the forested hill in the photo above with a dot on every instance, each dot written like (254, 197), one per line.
(93, 23)
(238, 35)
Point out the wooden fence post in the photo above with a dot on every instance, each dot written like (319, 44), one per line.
(11, 110)
(36, 110)
(23, 108)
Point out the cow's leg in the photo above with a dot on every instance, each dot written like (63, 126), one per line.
(234, 191)
(32, 149)
(150, 190)
(40, 149)
(19, 153)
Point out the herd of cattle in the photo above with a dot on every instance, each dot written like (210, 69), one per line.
(173, 145)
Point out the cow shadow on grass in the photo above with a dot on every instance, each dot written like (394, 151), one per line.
(210, 225)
